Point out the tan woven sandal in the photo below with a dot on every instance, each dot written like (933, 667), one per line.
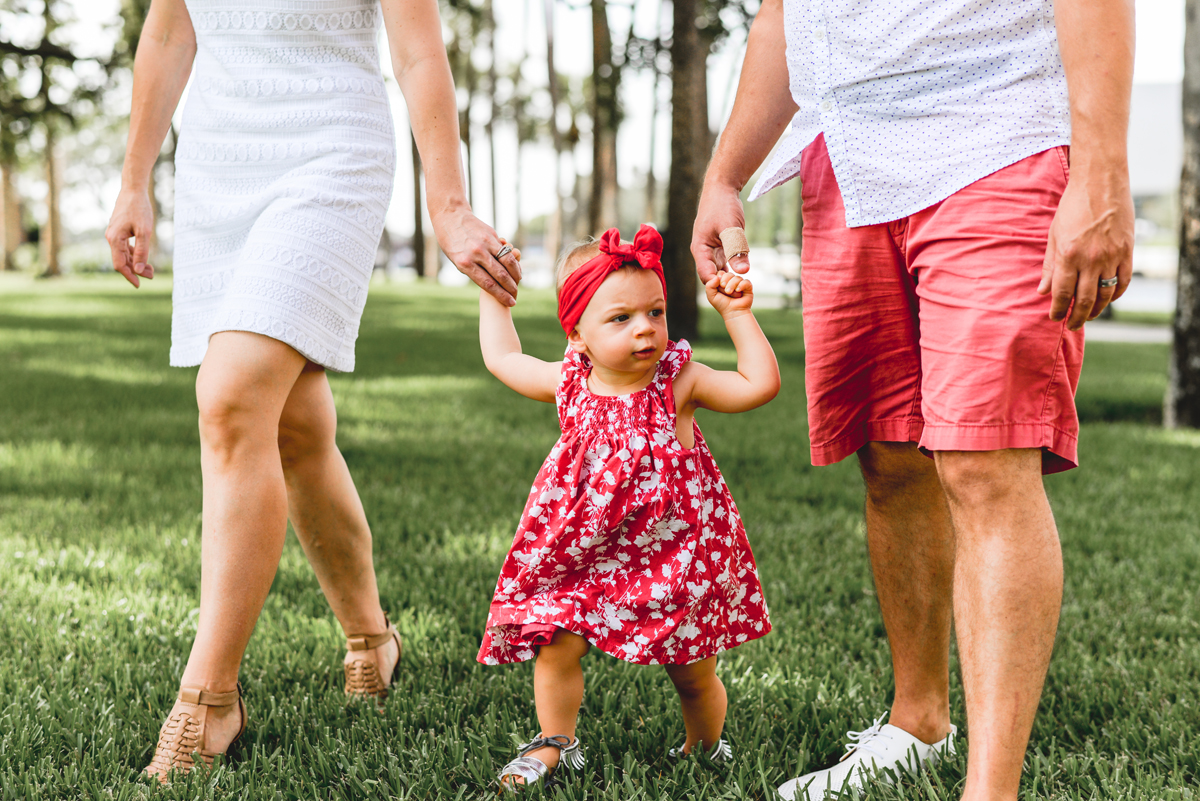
(183, 733)
(363, 678)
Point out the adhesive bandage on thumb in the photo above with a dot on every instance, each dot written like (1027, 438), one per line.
(733, 242)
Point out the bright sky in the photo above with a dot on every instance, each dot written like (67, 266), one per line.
(1160, 25)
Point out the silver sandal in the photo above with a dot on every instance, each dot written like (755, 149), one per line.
(534, 770)
(719, 753)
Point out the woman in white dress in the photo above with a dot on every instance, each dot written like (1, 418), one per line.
(284, 172)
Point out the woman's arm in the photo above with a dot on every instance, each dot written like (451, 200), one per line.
(502, 354)
(757, 378)
(160, 71)
(423, 72)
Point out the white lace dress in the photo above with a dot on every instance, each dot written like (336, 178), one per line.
(284, 173)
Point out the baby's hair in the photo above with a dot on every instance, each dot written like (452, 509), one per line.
(573, 256)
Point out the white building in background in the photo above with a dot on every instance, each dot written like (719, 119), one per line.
(1155, 139)
(1155, 162)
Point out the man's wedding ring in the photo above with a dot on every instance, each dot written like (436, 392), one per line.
(1107, 283)
(504, 251)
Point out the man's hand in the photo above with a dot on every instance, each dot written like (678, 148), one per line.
(720, 208)
(1091, 238)
(472, 245)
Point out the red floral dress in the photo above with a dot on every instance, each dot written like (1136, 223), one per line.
(628, 539)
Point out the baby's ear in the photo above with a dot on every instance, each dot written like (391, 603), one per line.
(575, 340)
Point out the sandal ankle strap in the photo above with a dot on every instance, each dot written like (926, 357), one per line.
(560, 741)
(367, 642)
(202, 697)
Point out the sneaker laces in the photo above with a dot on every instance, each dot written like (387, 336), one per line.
(861, 740)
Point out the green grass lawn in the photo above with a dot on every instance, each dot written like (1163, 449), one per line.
(100, 548)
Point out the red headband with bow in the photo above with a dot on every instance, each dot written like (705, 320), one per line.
(581, 285)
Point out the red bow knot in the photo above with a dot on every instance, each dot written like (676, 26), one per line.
(577, 291)
(646, 248)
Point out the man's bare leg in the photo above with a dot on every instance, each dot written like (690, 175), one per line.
(1007, 597)
(911, 543)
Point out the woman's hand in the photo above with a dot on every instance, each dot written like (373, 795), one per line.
(472, 245)
(729, 292)
(133, 218)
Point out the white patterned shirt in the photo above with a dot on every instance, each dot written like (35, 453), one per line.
(919, 98)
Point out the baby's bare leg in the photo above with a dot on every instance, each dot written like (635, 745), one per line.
(558, 689)
(702, 696)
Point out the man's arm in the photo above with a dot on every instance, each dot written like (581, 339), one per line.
(1092, 234)
(761, 111)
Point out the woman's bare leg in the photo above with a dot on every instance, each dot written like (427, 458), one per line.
(241, 390)
(702, 696)
(327, 514)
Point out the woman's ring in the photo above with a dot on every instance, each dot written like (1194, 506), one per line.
(504, 251)
(1107, 283)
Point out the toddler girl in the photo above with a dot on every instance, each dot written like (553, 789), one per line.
(630, 540)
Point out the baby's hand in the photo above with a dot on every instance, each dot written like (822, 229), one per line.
(728, 292)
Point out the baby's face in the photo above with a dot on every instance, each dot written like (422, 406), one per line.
(624, 327)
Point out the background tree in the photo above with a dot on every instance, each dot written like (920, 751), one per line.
(606, 121)
(63, 92)
(698, 26)
(466, 23)
(554, 232)
(11, 130)
(1182, 406)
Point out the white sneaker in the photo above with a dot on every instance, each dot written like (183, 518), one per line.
(869, 756)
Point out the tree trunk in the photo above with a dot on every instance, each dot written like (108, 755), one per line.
(651, 212)
(420, 262)
(10, 216)
(602, 208)
(519, 235)
(493, 79)
(691, 142)
(1182, 405)
(52, 232)
(554, 230)
(464, 124)
(156, 210)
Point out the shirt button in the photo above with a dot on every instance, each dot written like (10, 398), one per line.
(819, 34)
(826, 105)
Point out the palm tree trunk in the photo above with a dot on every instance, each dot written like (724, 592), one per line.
(490, 21)
(52, 233)
(1182, 404)
(691, 142)
(651, 213)
(10, 217)
(602, 209)
(554, 231)
(420, 262)
(464, 124)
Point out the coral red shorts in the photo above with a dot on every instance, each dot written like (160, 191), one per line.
(930, 329)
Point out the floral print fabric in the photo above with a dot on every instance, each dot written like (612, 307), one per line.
(628, 539)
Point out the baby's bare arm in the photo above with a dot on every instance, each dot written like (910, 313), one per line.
(502, 354)
(756, 379)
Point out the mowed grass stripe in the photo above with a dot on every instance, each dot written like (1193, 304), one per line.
(99, 576)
